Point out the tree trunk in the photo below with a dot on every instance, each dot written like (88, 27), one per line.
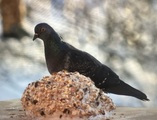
(12, 12)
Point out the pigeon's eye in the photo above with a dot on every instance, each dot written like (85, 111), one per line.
(42, 29)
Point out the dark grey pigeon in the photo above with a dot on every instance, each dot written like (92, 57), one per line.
(63, 56)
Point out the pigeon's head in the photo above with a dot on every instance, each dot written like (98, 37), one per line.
(42, 31)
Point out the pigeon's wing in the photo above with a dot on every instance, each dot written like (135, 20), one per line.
(86, 64)
(89, 66)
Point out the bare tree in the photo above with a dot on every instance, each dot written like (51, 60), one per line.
(12, 12)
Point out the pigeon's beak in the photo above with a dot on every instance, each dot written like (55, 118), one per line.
(35, 36)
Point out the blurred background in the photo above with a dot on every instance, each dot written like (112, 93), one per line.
(120, 33)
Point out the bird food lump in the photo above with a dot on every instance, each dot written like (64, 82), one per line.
(68, 96)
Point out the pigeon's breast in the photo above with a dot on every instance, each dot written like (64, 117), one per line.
(54, 64)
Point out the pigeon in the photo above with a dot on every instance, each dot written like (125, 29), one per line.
(60, 55)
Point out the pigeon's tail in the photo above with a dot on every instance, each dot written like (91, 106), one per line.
(125, 89)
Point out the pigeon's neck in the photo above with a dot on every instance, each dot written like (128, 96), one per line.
(52, 46)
